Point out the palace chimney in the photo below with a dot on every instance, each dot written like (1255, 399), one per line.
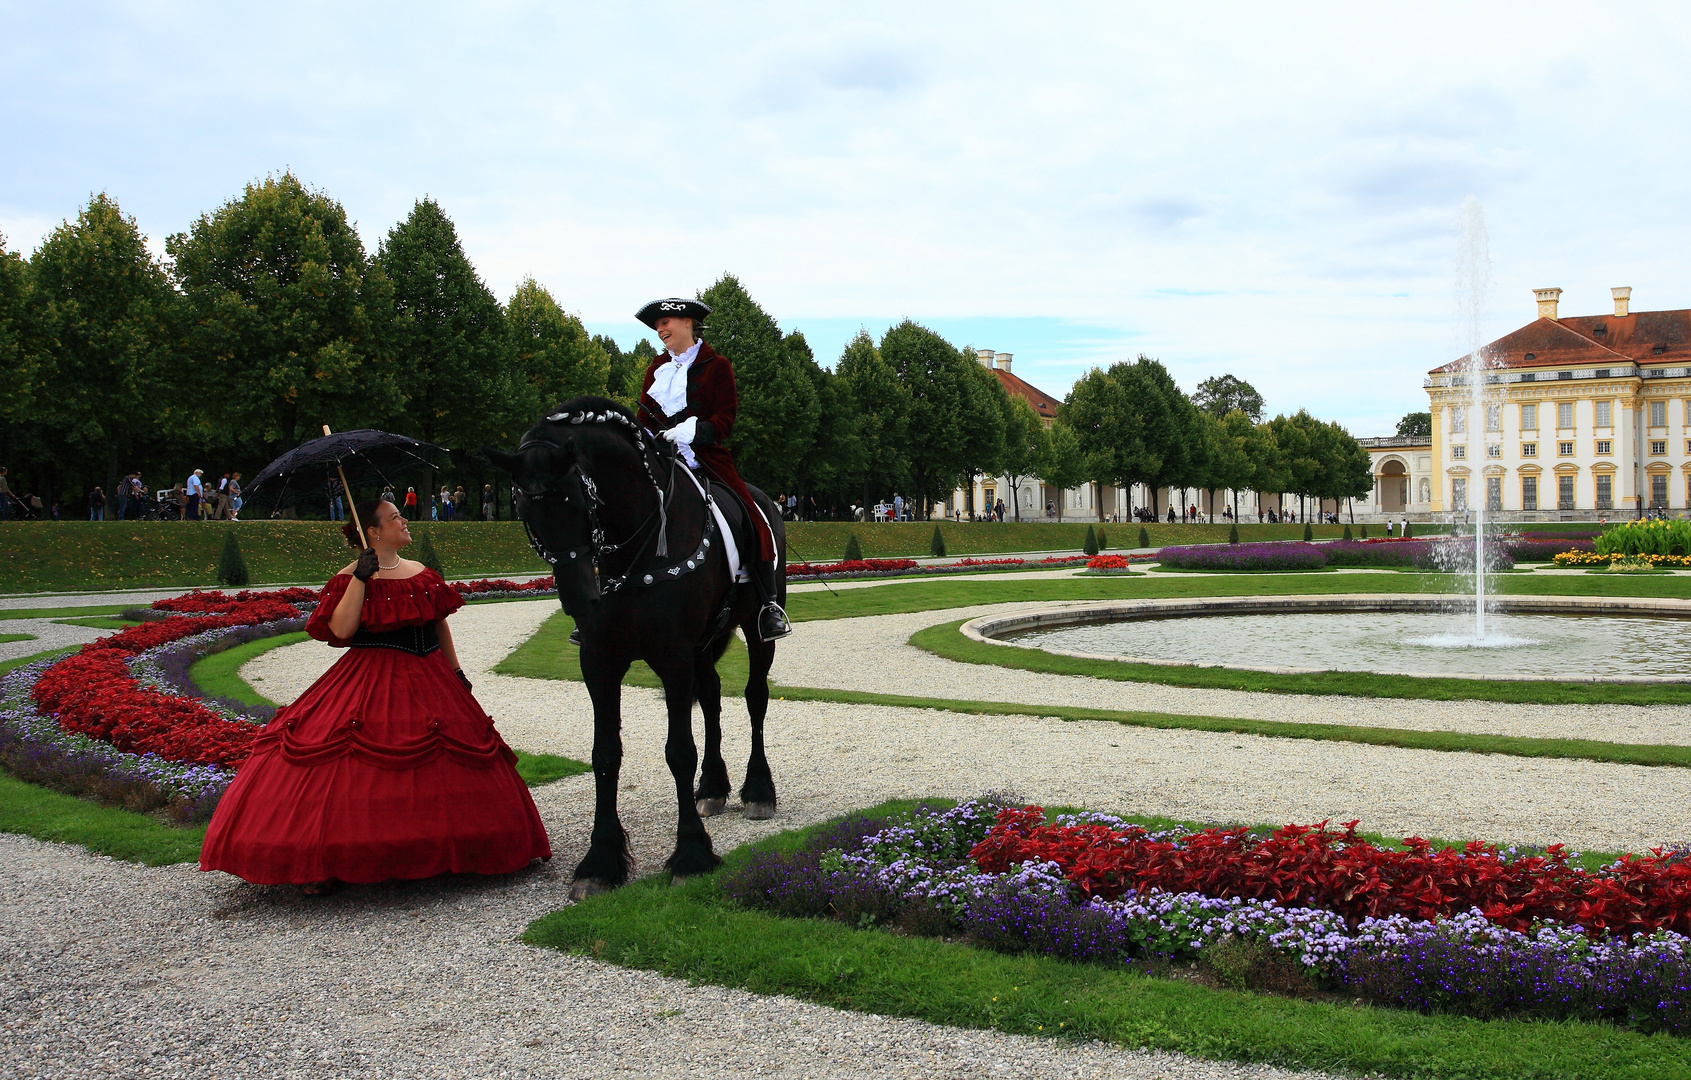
(1547, 302)
(1623, 300)
(984, 356)
(1002, 361)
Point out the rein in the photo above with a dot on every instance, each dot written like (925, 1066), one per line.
(597, 543)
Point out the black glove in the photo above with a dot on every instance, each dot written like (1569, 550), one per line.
(367, 565)
(463, 678)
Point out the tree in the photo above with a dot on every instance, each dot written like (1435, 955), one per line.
(1108, 429)
(835, 457)
(1352, 470)
(1231, 465)
(1416, 425)
(1025, 440)
(881, 406)
(1300, 468)
(1062, 465)
(450, 333)
(778, 403)
(285, 309)
(1222, 394)
(628, 369)
(554, 358)
(1172, 431)
(985, 405)
(105, 323)
(933, 373)
(19, 366)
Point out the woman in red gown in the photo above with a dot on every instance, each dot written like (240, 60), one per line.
(386, 767)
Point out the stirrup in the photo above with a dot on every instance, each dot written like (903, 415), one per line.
(772, 622)
(575, 636)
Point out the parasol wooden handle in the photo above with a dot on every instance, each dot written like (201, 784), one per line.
(350, 503)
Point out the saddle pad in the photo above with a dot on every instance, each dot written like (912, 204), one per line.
(736, 568)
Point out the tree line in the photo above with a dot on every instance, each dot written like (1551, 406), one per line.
(268, 318)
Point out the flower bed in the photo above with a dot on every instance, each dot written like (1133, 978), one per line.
(1108, 563)
(1092, 888)
(1395, 552)
(1602, 560)
(1293, 555)
(120, 720)
(1543, 549)
(860, 568)
(502, 588)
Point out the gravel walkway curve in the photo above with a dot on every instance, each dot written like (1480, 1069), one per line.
(47, 635)
(114, 969)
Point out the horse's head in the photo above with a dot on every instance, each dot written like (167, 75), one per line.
(556, 492)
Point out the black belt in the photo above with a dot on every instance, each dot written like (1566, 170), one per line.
(416, 640)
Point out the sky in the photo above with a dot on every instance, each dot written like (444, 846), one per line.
(1270, 191)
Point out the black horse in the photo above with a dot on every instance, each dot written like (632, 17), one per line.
(641, 568)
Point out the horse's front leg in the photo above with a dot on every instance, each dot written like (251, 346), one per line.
(608, 859)
(711, 796)
(757, 792)
(693, 852)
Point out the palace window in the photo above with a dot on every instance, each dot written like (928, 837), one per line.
(1564, 493)
(1494, 450)
(1459, 451)
(1530, 449)
(1529, 492)
(1658, 492)
(1658, 414)
(1603, 414)
(1566, 449)
(1605, 446)
(1458, 494)
(1494, 493)
(1458, 421)
(1565, 415)
(1605, 491)
(1494, 418)
(1529, 417)
(1658, 446)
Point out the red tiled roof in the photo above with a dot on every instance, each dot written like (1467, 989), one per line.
(1641, 338)
(1043, 404)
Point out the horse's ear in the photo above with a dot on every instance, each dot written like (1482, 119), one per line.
(506, 463)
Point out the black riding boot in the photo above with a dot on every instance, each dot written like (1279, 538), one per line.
(771, 620)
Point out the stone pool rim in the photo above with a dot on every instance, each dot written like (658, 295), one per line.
(987, 628)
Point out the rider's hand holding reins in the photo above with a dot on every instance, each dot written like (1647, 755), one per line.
(682, 434)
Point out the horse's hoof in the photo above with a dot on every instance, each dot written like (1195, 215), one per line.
(760, 811)
(586, 887)
(712, 807)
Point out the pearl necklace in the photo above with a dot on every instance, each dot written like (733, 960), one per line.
(395, 565)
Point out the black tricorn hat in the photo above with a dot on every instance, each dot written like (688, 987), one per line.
(674, 306)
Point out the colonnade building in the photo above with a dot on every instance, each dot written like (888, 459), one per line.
(1576, 418)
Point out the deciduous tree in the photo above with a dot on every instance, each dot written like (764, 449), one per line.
(1025, 440)
(555, 359)
(881, 406)
(1062, 464)
(286, 311)
(1219, 395)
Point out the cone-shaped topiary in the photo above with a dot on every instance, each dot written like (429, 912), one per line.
(1364, 533)
(1408, 531)
(1103, 541)
(936, 546)
(854, 550)
(1091, 546)
(427, 556)
(1144, 537)
(1347, 532)
(1308, 533)
(1233, 534)
(231, 567)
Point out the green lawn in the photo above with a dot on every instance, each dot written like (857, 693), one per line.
(691, 932)
(16, 637)
(47, 815)
(82, 611)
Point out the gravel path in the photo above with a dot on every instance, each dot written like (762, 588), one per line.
(114, 969)
(47, 634)
(884, 662)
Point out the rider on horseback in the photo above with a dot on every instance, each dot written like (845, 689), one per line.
(690, 399)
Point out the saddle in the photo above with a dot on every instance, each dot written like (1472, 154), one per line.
(734, 513)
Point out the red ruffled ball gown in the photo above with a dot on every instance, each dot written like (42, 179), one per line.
(385, 768)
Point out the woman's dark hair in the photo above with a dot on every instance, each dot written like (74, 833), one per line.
(366, 517)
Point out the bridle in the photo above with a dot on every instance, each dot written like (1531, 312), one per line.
(598, 546)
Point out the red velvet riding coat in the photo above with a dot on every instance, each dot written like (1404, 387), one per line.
(713, 399)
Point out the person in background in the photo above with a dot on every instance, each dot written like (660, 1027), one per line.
(191, 493)
(234, 494)
(5, 495)
(489, 504)
(337, 496)
(411, 504)
(96, 504)
(460, 503)
(897, 506)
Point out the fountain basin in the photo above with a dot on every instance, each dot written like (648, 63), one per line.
(1560, 639)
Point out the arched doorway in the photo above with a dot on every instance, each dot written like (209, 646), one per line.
(1394, 486)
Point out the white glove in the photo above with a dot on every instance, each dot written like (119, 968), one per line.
(682, 434)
